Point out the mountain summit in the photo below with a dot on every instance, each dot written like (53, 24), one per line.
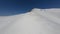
(37, 21)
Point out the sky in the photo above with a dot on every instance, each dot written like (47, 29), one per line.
(13, 7)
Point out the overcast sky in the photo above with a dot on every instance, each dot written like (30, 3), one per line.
(12, 7)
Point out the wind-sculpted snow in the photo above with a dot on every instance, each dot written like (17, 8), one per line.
(38, 21)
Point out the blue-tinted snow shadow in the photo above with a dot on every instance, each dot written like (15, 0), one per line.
(14, 7)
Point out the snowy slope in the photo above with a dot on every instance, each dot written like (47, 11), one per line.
(38, 21)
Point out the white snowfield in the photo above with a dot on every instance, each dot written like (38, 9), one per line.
(38, 21)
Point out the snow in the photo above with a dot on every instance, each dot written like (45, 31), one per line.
(38, 21)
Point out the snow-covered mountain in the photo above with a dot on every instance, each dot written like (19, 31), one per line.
(38, 21)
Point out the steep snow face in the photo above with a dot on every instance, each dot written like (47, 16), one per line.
(38, 21)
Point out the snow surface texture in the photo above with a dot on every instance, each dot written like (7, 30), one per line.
(38, 21)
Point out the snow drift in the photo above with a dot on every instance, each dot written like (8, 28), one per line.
(38, 21)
